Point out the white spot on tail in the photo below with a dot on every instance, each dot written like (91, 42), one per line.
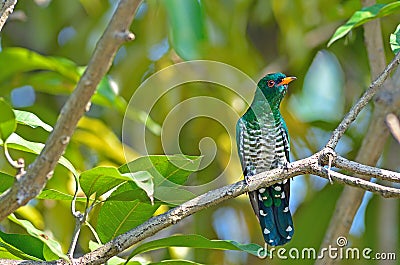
(286, 210)
(262, 213)
(260, 197)
(284, 181)
(289, 228)
(262, 190)
(266, 231)
(283, 195)
(277, 188)
(288, 237)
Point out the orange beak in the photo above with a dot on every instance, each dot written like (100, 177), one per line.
(287, 80)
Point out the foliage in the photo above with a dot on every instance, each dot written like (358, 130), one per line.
(120, 180)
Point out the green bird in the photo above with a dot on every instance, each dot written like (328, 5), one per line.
(263, 143)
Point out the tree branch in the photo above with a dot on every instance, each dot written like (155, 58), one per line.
(367, 171)
(7, 7)
(38, 173)
(309, 165)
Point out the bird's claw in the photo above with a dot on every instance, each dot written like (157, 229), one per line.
(286, 166)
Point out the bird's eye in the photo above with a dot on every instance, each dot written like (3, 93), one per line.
(271, 83)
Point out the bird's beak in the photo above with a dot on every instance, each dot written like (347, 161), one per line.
(287, 80)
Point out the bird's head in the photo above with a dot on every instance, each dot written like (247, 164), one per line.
(274, 87)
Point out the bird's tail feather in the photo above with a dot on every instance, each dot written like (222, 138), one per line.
(274, 214)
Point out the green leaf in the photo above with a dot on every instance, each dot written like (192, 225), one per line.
(31, 120)
(129, 192)
(8, 123)
(362, 16)
(24, 60)
(6, 181)
(169, 172)
(195, 241)
(143, 180)
(18, 143)
(164, 168)
(100, 180)
(51, 249)
(51, 194)
(187, 28)
(20, 246)
(395, 40)
(118, 217)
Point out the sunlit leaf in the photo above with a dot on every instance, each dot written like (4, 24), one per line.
(20, 246)
(51, 248)
(173, 168)
(118, 217)
(195, 241)
(51, 194)
(364, 15)
(30, 119)
(168, 173)
(8, 123)
(395, 40)
(100, 180)
(18, 143)
(143, 180)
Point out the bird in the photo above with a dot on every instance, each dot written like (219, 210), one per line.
(263, 144)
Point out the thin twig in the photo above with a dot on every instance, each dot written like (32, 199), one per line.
(11, 161)
(37, 175)
(387, 192)
(7, 7)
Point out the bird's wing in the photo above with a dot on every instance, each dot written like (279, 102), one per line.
(245, 161)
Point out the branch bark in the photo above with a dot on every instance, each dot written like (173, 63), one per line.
(7, 7)
(40, 171)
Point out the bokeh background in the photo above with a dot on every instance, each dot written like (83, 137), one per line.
(254, 36)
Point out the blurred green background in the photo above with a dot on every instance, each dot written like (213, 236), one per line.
(255, 36)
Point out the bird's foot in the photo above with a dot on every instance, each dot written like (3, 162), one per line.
(285, 166)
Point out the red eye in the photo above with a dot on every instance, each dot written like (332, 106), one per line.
(271, 83)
